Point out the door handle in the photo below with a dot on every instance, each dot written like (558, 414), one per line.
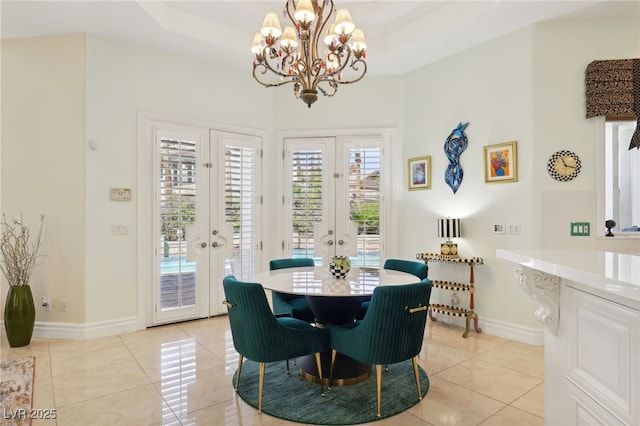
(340, 242)
(203, 244)
(215, 244)
(330, 242)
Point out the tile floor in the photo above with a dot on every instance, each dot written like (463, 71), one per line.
(181, 374)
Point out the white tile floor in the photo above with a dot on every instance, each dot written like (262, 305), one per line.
(181, 374)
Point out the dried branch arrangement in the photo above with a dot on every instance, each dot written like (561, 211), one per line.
(19, 254)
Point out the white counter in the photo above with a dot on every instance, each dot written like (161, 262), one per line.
(613, 276)
(590, 306)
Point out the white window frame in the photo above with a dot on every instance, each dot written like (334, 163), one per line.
(390, 188)
(602, 157)
(147, 123)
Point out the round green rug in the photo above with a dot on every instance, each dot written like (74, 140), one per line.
(290, 397)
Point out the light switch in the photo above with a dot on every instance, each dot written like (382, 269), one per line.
(580, 229)
(119, 230)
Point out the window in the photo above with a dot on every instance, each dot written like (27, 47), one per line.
(622, 176)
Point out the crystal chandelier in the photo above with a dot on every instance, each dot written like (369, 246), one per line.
(294, 55)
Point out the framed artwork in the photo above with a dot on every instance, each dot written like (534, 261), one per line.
(419, 173)
(501, 162)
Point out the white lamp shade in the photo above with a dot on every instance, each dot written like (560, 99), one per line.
(331, 35)
(289, 38)
(344, 23)
(256, 46)
(358, 42)
(449, 228)
(304, 11)
(271, 25)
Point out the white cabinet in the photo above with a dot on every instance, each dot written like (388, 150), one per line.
(602, 359)
(590, 306)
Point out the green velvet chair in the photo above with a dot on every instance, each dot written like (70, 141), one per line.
(261, 337)
(291, 305)
(419, 269)
(391, 332)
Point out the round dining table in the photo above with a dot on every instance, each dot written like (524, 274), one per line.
(333, 301)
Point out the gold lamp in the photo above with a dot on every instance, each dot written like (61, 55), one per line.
(449, 228)
(313, 54)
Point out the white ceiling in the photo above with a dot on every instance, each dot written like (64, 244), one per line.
(401, 35)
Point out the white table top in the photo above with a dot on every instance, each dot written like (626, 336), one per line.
(611, 275)
(318, 281)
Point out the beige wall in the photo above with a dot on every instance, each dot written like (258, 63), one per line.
(123, 79)
(43, 161)
(527, 86)
(562, 52)
(490, 87)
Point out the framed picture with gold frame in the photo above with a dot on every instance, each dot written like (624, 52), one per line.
(501, 162)
(419, 172)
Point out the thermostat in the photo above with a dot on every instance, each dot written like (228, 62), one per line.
(121, 194)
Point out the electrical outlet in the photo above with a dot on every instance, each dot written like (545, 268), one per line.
(455, 300)
(514, 228)
(64, 305)
(46, 304)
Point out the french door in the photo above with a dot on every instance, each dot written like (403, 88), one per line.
(333, 198)
(205, 218)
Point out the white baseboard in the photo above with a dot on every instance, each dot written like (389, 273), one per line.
(518, 333)
(75, 331)
(529, 335)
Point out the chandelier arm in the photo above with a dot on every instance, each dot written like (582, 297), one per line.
(291, 4)
(319, 76)
(264, 71)
(303, 63)
(321, 24)
(264, 62)
(354, 67)
(334, 87)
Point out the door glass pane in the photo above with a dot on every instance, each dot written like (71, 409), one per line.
(177, 212)
(240, 209)
(306, 200)
(364, 203)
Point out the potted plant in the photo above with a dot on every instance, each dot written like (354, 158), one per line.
(18, 258)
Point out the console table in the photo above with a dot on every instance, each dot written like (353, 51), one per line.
(590, 307)
(456, 311)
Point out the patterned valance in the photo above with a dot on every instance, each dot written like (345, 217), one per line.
(613, 90)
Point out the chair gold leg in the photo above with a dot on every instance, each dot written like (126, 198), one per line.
(333, 361)
(238, 372)
(287, 366)
(417, 374)
(261, 386)
(379, 386)
(319, 364)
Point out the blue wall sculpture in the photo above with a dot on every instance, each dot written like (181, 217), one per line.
(454, 146)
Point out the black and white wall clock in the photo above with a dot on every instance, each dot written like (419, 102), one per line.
(564, 165)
